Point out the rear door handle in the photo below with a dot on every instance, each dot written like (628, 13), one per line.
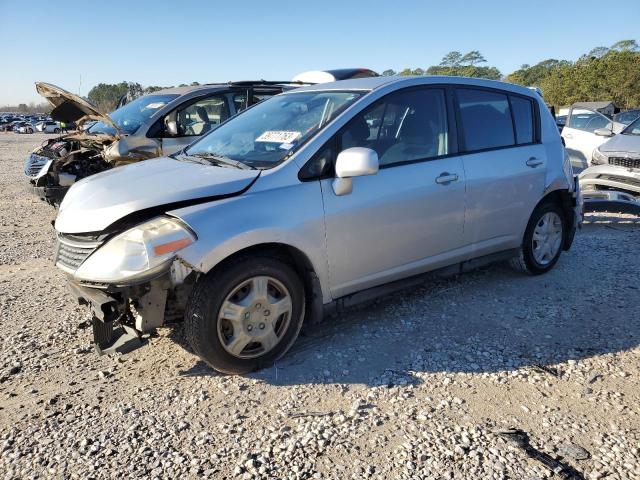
(534, 162)
(446, 178)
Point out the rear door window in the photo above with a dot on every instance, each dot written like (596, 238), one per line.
(523, 118)
(486, 119)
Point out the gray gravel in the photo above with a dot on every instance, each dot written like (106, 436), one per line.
(419, 385)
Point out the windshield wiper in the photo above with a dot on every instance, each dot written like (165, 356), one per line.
(221, 160)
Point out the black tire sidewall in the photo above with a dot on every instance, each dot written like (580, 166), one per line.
(201, 315)
(527, 245)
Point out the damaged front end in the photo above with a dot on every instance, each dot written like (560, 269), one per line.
(126, 312)
(60, 162)
(612, 188)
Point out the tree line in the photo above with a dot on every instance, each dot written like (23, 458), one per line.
(604, 73)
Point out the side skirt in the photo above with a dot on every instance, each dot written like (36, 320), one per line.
(374, 293)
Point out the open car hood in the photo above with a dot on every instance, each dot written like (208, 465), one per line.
(152, 187)
(68, 107)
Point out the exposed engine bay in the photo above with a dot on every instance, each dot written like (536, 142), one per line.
(62, 161)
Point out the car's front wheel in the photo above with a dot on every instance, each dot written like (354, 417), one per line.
(56, 130)
(542, 242)
(246, 314)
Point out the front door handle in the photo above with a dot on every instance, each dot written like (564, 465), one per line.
(568, 135)
(446, 178)
(534, 162)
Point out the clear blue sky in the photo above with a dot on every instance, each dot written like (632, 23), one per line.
(168, 43)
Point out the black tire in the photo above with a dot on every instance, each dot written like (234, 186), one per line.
(56, 130)
(525, 262)
(207, 296)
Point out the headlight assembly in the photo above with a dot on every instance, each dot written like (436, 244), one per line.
(598, 158)
(140, 252)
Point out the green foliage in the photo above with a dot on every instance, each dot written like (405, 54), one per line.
(602, 74)
(455, 64)
(451, 59)
(491, 73)
(533, 75)
(614, 76)
(625, 46)
(472, 58)
(389, 73)
(105, 96)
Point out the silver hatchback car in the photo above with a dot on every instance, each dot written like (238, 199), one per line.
(313, 200)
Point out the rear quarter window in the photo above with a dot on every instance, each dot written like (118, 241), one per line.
(486, 119)
(523, 118)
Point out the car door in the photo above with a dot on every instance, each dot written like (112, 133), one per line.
(504, 163)
(190, 121)
(579, 136)
(409, 216)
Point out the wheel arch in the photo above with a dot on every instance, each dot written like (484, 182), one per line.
(563, 199)
(296, 258)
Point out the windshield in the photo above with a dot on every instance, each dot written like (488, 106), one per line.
(130, 116)
(266, 134)
(633, 129)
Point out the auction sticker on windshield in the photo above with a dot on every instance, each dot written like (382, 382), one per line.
(278, 136)
(156, 105)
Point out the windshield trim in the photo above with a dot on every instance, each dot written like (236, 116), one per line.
(361, 93)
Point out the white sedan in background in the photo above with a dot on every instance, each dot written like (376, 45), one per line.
(585, 130)
(48, 127)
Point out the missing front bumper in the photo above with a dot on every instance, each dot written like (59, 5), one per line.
(121, 318)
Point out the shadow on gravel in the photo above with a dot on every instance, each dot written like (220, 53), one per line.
(491, 320)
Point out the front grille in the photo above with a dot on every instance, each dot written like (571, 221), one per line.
(625, 162)
(70, 253)
(34, 164)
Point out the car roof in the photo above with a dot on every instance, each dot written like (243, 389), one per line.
(372, 83)
(222, 86)
(188, 89)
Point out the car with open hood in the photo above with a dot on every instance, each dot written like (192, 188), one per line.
(160, 123)
(314, 200)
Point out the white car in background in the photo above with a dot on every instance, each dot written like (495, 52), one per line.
(48, 127)
(585, 130)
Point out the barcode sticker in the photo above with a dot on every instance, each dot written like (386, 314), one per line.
(278, 136)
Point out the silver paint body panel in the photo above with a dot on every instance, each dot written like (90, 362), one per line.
(396, 223)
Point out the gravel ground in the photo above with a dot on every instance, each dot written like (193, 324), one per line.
(421, 385)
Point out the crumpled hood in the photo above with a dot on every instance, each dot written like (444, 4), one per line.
(96, 202)
(622, 143)
(68, 107)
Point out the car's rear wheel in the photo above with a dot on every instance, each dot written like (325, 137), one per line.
(56, 130)
(245, 315)
(542, 242)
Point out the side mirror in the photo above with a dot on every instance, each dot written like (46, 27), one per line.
(603, 132)
(353, 162)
